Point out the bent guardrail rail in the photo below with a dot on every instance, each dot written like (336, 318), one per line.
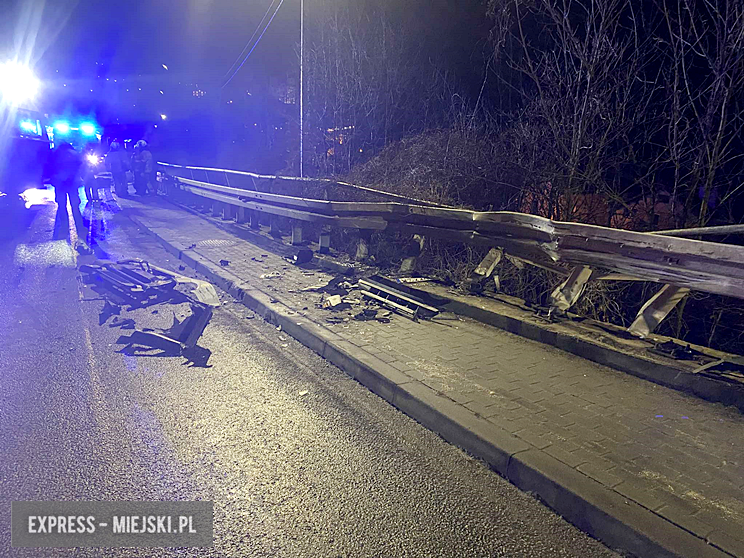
(577, 251)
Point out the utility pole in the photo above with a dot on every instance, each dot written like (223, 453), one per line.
(302, 62)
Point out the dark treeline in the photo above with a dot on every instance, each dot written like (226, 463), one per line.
(614, 112)
(606, 110)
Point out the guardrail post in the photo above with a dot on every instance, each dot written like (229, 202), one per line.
(567, 293)
(255, 219)
(413, 250)
(324, 243)
(296, 233)
(656, 309)
(242, 216)
(274, 227)
(217, 209)
(229, 212)
(475, 282)
(362, 252)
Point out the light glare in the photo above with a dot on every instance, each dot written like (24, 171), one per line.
(17, 83)
(87, 129)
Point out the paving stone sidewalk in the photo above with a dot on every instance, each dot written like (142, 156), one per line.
(672, 453)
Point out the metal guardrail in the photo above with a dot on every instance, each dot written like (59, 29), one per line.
(295, 179)
(579, 251)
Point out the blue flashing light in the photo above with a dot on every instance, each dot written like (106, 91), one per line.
(30, 127)
(87, 129)
(62, 127)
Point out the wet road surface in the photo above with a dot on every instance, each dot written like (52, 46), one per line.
(299, 459)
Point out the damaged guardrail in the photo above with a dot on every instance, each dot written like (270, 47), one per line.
(579, 252)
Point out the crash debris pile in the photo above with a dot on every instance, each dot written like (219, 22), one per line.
(136, 284)
(371, 299)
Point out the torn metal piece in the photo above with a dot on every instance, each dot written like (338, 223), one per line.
(141, 284)
(568, 293)
(203, 291)
(708, 366)
(656, 309)
(123, 323)
(489, 263)
(396, 300)
(128, 284)
(152, 340)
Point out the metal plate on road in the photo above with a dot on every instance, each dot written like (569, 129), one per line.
(216, 243)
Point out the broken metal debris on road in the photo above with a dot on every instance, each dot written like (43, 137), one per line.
(136, 284)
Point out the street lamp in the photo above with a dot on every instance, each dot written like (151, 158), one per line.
(302, 61)
(18, 84)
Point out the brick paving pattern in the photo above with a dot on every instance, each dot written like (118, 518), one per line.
(671, 453)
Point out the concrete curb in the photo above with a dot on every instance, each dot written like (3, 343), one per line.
(601, 512)
(678, 378)
(668, 375)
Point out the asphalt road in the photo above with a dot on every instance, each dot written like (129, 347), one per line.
(299, 459)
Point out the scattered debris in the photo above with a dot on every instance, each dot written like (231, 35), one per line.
(123, 323)
(366, 314)
(333, 301)
(272, 275)
(676, 351)
(335, 285)
(305, 255)
(108, 311)
(413, 279)
(303, 393)
(181, 268)
(397, 301)
(224, 263)
(138, 284)
(257, 260)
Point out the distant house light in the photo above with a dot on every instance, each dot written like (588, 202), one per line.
(164, 66)
(163, 117)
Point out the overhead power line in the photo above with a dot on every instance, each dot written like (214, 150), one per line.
(256, 43)
(248, 44)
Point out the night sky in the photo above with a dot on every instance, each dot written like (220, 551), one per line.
(198, 38)
(81, 43)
